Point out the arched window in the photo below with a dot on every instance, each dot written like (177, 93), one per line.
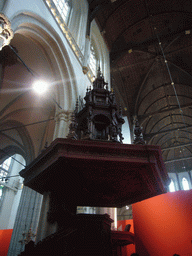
(4, 170)
(93, 61)
(185, 184)
(63, 7)
(11, 188)
(99, 54)
(6, 164)
(172, 186)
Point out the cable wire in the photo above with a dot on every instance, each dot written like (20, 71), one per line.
(12, 157)
(25, 125)
(172, 83)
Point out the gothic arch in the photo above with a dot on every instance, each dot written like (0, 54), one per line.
(37, 29)
(29, 26)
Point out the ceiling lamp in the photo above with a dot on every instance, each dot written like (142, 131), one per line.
(6, 33)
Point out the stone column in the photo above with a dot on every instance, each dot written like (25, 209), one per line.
(190, 177)
(27, 218)
(6, 206)
(45, 228)
(178, 181)
(27, 214)
(62, 124)
(86, 54)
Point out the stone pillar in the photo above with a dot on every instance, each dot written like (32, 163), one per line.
(27, 218)
(62, 124)
(86, 54)
(45, 228)
(30, 203)
(6, 206)
(190, 178)
(178, 181)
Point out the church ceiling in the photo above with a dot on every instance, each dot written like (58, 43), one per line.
(150, 46)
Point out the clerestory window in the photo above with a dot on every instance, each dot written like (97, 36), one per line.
(172, 186)
(4, 170)
(63, 7)
(93, 61)
(185, 183)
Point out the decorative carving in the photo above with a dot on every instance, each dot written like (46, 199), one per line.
(72, 128)
(99, 82)
(6, 33)
(85, 70)
(27, 237)
(81, 104)
(63, 115)
(138, 135)
(99, 119)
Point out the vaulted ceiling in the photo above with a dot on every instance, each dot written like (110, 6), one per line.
(150, 43)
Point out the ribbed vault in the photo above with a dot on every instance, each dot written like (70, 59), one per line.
(150, 45)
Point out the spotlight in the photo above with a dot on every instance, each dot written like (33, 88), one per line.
(40, 86)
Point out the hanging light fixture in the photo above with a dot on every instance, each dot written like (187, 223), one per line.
(6, 33)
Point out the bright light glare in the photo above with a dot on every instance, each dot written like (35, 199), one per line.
(172, 186)
(40, 86)
(185, 184)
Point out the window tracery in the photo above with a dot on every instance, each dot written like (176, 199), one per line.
(4, 170)
(92, 62)
(63, 7)
(99, 54)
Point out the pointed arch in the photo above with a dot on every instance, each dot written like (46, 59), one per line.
(34, 27)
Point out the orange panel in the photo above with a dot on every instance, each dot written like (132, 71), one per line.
(163, 224)
(5, 238)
